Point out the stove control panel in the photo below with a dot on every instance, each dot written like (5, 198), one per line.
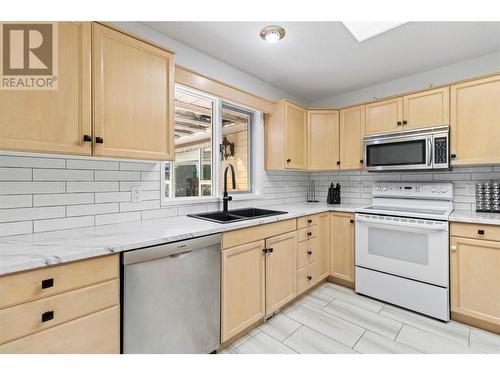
(416, 190)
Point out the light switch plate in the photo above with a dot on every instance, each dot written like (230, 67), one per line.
(136, 195)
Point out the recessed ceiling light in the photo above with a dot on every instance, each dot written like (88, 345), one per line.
(272, 33)
(365, 30)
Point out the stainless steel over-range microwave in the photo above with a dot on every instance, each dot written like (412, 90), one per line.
(407, 150)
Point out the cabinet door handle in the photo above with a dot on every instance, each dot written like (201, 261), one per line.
(309, 277)
(480, 231)
(453, 156)
(309, 221)
(270, 249)
(47, 283)
(338, 162)
(405, 122)
(399, 123)
(309, 234)
(264, 251)
(351, 221)
(288, 160)
(309, 252)
(87, 138)
(99, 140)
(361, 161)
(47, 315)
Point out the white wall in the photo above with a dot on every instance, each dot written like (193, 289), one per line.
(465, 69)
(198, 61)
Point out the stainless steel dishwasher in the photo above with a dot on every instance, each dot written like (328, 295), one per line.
(171, 297)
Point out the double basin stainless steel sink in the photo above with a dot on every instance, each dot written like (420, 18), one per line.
(236, 215)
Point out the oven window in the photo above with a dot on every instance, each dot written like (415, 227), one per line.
(412, 247)
(401, 153)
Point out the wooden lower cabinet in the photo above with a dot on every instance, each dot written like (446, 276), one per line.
(243, 288)
(324, 245)
(475, 282)
(281, 271)
(342, 248)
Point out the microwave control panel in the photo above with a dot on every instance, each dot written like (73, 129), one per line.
(440, 150)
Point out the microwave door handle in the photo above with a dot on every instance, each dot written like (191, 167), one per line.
(429, 152)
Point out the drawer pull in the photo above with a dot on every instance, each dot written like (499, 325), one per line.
(47, 315)
(47, 283)
(270, 250)
(309, 234)
(309, 221)
(480, 231)
(309, 252)
(309, 278)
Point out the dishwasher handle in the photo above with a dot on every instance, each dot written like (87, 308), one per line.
(174, 249)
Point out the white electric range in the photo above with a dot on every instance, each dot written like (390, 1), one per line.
(402, 244)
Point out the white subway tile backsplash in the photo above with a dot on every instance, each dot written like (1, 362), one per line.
(15, 174)
(149, 195)
(139, 166)
(62, 175)
(117, 218)
(62, 199)
(83, 187)
(22, 214)
(92, 209)
(15, 201)
(117, 176)
(145, 185)
(29, 187)
(157, 214)
(121, 196)
(18, 227)
(150, 176)
(65, 223)
(31, 162)
(92, 164)
(139, 206)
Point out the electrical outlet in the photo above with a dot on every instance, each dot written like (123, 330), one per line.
(471, 190)
(136, 195)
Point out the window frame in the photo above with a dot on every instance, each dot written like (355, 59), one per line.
(256, 154)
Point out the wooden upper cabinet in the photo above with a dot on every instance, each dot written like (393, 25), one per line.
(352, 130)
(133, 97)
(475, 282)
(384, 116)
(281, 271)
(426, 109)
(286, 137)
(475, 121)
(342, 247)
(54, 121)
(323, 139)
(243, 288)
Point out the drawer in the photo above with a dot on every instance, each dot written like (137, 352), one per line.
(307, 221)
(258, 232)
(31, 285)
(307, 233)
(27, 318)
(98, 333)
(307, 252)
(477, 231)
(307, 277)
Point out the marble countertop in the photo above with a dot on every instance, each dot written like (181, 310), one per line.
(24, 252)
(475, 217)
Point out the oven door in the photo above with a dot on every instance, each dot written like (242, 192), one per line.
(398, 153)
(413, 248)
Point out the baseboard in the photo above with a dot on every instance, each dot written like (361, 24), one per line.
(336, 280)
(475, 322)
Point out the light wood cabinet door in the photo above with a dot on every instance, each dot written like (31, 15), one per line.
(243, 288)
(475, 280)
(281, 270)
(384, 116)
(426, 109)
(54, 121)
(323, 140)
(352, 130)
(324, 245)
(342, 247)
(133, 97)
(295, 136)
(475, 121)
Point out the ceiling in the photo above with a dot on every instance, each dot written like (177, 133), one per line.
(317, 60)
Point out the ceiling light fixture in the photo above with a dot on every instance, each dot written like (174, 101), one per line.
(272, 33)
(366, 30)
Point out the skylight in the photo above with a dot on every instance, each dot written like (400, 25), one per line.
(363, 30)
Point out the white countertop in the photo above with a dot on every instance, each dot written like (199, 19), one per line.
(475, 217)
(19, 253)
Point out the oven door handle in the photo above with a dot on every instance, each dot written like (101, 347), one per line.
(429, 152)
(442, 226)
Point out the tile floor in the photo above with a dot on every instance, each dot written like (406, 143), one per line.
(334, 319)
